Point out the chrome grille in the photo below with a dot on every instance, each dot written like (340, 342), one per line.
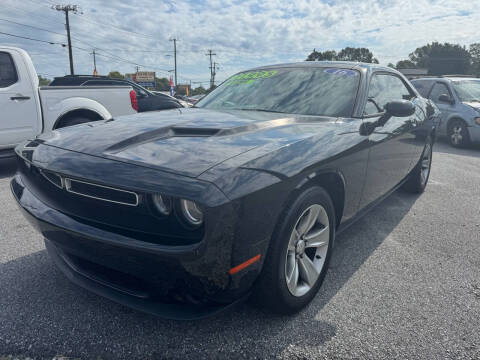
(101, 192)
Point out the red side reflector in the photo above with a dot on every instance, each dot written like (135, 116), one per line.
(245, 264)
(133, 100)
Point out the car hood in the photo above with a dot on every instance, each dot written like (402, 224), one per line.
(185, 141)
(473, 104)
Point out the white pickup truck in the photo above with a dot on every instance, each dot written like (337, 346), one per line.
(27, 110)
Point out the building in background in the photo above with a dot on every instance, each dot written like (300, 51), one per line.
(413, 73)
(184, 89)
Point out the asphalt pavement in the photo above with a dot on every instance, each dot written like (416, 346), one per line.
(404, 283)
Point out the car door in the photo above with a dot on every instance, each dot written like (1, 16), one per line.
(391, 145)
(20, 114)
(446, 108)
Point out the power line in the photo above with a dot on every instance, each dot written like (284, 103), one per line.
(32, 39)
(116, 27)
(32, 27)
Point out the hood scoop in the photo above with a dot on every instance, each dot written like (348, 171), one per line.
(193, 132)
(161, 134)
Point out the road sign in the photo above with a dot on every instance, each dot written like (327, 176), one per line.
(145, 78)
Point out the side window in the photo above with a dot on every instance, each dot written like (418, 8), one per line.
(383, 89)
(423, 87)
(139, 91)
(8, 73)
(438, 89)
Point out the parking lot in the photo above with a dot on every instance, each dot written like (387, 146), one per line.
(404, 282)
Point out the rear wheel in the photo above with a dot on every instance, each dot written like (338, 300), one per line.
(299, 253)
(419, 176)
(458, 135)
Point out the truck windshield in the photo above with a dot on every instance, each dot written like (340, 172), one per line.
(467, 90)
(320, 91)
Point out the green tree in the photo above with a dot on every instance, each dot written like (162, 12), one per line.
(116, 75)
(346, 54)
(406, 64)
(328, 55)
(441, 59)
(198, 91)
(357, 54)
(43, 81)
(162, 84)
(474, 51)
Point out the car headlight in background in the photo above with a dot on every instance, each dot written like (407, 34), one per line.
(191, 212)
(162, 203)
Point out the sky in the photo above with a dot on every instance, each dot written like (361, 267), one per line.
(242, 34)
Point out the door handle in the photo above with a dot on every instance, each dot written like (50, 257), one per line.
(19, 97)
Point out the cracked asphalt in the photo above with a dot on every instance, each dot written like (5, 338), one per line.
(404, 283)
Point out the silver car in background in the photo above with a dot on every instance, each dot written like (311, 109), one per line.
(458, 99)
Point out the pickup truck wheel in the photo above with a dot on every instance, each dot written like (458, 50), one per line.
(458, 135)
(418, 178)
(299, 254)
(72, 121)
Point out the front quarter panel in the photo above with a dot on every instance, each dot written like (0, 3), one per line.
(260, 188)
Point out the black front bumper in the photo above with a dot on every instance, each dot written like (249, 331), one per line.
(171, 282)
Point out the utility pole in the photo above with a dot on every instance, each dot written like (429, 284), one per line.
(95, 73)
(215, 68)
(66, 9)
(212, 76)
(175, 57)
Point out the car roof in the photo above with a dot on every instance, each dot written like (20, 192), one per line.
(445, 78)
(334, 64)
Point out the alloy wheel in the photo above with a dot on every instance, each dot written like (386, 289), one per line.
(307, 250)
(456, 136)
(426, 163)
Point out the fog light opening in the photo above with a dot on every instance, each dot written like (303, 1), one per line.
(191, 212)
(162, 203)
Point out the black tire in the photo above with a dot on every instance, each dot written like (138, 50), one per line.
(72, 121)
(271, 290)
(418, 178)
(458, 135)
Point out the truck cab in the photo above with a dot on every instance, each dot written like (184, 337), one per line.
(28, 110)
(19, 101)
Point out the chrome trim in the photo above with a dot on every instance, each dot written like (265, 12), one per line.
(68, 185)
(42, 172)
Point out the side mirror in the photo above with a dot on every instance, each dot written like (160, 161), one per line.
(400, 108)
(445, 99)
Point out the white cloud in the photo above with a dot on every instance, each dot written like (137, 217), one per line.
(242, 33)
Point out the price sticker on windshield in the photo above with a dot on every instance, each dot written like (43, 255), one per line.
(251, 76)
(341, 72)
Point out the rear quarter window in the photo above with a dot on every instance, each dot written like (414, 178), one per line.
(423, 87)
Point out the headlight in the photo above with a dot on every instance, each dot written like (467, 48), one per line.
(162, 203)
(191, 212)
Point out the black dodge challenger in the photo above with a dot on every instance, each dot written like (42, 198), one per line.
(185, 212)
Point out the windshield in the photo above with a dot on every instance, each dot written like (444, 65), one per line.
(467, 90)
(307, 91)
